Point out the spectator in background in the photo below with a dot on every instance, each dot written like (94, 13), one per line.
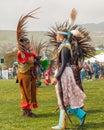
(82, 74)
(90, 70)
(101, 68)
(86, 68)
(96, 70)
(10, 72)
(0, 72)
(14, 71)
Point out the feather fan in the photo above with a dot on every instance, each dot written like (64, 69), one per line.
(21, 28)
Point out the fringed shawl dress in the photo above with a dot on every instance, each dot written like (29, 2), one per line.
(72, 95)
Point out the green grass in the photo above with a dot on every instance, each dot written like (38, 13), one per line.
(10, 112)
(99, 51)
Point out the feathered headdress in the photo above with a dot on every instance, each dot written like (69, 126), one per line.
(21, 29)
(38, 46)
(63, 26)
(79, 36)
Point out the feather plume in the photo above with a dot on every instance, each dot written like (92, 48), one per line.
(38, 46)
(73, 15)
(83, 43)
(21, 27)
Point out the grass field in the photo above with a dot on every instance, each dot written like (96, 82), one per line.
(10, 112)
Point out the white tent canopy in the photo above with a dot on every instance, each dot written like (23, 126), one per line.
(99, 58)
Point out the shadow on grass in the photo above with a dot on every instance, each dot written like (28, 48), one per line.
(94, 125)
(76, 128)
(87, 126)
(40, 115)
(95, 111)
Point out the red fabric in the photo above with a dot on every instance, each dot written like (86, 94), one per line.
(35, 105)
(47, 77)
(46, 74)
(27, 55)
(25, 105)
(28, 106)
(31, 54)
(47, 81)
(22, 60)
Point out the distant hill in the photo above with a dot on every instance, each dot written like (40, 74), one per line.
(8, 40)
(94, 26)
(10, 36)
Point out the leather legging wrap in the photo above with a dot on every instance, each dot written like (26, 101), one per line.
(28, 90)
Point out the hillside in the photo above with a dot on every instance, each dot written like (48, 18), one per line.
(94, 26)
(8, 38)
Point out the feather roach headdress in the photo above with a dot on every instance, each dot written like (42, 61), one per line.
(80, 38)
(38, 46)
(41, 49)
(21, 29)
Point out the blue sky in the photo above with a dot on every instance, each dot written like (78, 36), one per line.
(89, 11)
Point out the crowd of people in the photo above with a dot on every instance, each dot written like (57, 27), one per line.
(8, 72)
(92, 71)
